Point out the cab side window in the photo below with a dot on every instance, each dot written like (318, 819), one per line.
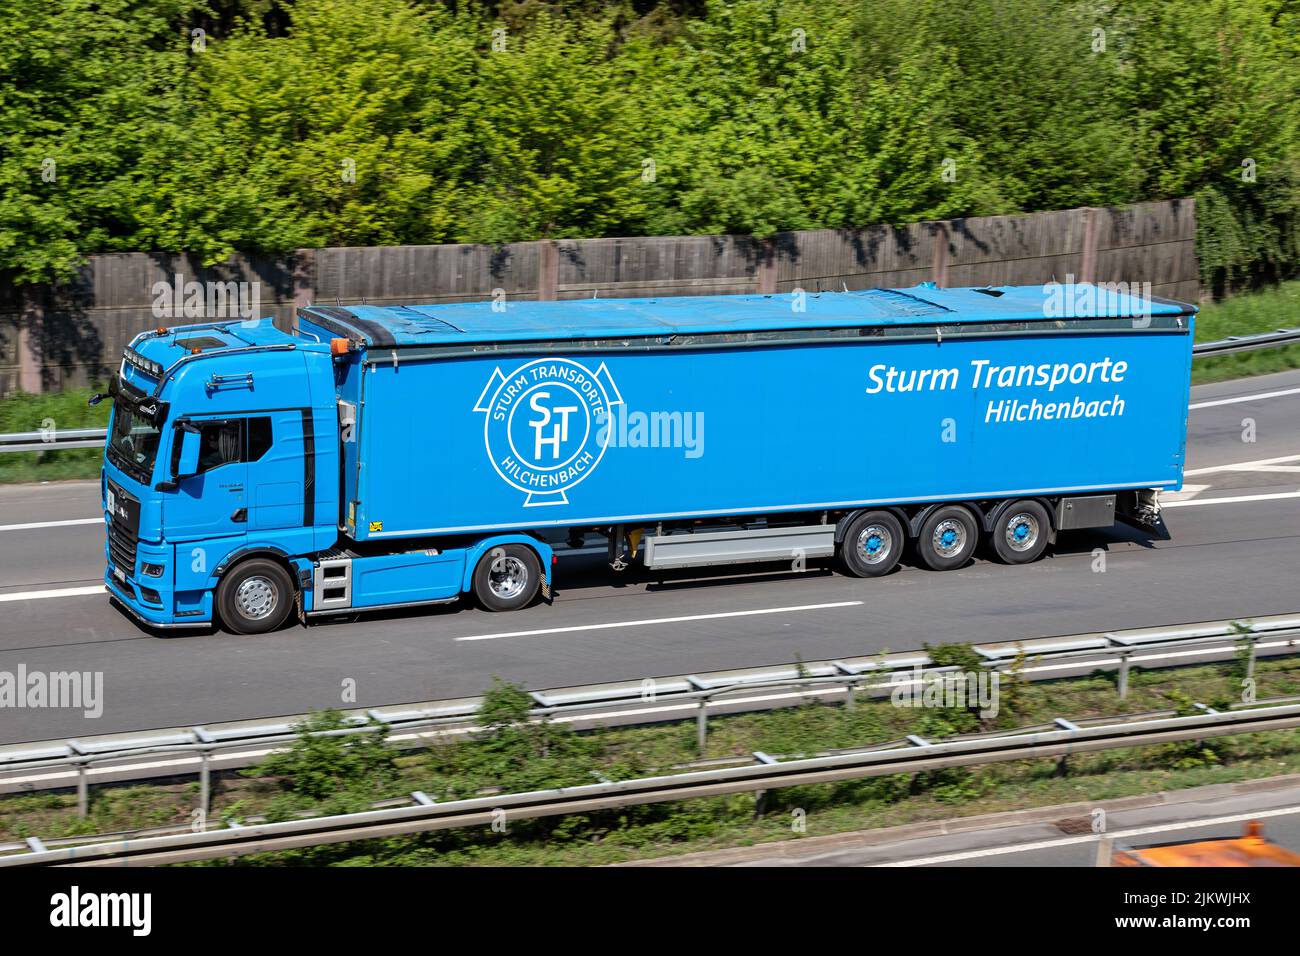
(220, 443)
(226, 442)
(259, 437)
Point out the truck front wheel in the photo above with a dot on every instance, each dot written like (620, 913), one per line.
(255, 597)
(507, 577)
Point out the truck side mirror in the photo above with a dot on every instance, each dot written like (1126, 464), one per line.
(188, 463)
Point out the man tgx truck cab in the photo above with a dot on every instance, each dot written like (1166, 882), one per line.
(379, 457)
(221, 485)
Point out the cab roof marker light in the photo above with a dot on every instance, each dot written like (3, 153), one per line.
(340, 346)
(133, 358)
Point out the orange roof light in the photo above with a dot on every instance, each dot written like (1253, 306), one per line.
(339, 346)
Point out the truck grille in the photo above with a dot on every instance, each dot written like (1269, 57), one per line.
(123, 529)
(121, 546)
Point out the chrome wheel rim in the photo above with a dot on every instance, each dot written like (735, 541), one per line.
(508, 577)
(256, 598)
(875, 544)
(1022, 531)
(949, 538)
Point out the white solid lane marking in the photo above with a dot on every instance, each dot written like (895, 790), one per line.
(1258, 396)
(660, 620)
(54, 593)
(50, 524)
(1236, 499)
(1258, 463)
(1189, 491)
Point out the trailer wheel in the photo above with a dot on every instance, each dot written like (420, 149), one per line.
(947, 538)
(1020, 535)
(507, 578)
(872, 545)
(255, 597)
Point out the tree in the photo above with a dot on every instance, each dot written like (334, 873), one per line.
(85, 88)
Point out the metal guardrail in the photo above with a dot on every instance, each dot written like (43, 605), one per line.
(1152, 647)
(94, 437)
(179, 751)
(1247, 343)
(765, 773)
(54, 439)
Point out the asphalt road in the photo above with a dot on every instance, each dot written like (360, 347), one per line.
(1234, 553)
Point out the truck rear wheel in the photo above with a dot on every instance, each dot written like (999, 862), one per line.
(507, 578)
(1020, 534)
(872, 545)
(947, 538)
(255, 597)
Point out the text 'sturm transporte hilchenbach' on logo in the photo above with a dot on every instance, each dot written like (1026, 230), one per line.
(542, 425)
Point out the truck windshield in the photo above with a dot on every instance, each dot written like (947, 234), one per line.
(133, 441)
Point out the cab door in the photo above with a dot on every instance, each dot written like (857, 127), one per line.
(279, 468)
(213, 502)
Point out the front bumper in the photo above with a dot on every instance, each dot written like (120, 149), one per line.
(153, 600)
(150, 616)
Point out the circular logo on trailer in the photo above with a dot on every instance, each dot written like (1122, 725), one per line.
(543, 425)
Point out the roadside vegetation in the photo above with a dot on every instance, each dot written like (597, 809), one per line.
(337, 775)
(22, 412)
(209, 126)
(1265, 311)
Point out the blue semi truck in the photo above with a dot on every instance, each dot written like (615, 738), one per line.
(377, 457)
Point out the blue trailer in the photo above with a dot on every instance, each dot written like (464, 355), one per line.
(377, 457)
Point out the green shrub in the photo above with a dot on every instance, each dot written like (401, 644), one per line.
(317, 767)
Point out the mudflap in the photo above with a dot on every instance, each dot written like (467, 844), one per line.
(1141, 510)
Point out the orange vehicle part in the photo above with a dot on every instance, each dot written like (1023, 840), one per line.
(1250, 849)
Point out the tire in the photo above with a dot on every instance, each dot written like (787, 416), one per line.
(872, 545)
(948, 538)
(507, 578)
(1021, 532)
(255, 597)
